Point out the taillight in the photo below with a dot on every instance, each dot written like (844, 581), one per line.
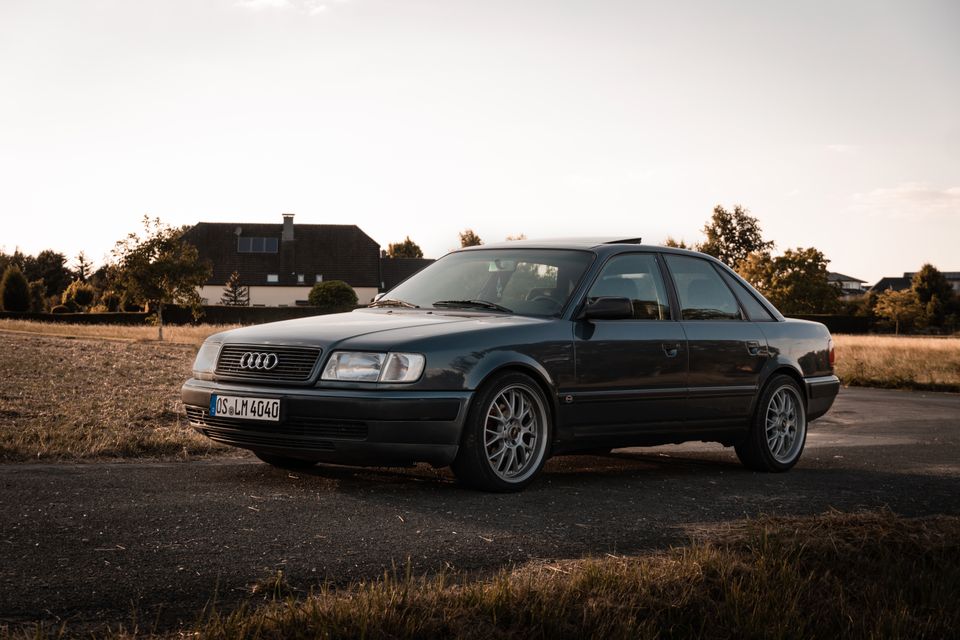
(833, 353)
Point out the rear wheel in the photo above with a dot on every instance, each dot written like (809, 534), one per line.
(778, 430)
(285, 462)
(506, 436)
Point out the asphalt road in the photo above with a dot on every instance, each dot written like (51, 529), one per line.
(107, 541)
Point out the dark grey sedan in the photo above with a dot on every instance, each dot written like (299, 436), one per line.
(494, 358)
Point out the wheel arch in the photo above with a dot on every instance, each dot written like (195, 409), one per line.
(536, 372)
(789, 371)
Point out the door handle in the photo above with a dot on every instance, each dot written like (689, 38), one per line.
(671, 350)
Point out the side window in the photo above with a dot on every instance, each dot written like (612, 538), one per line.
(635, 276)
(703, 294)
(755, 310)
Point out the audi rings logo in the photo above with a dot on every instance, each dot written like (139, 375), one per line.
(259, 361)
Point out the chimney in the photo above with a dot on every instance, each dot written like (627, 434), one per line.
(287, 227)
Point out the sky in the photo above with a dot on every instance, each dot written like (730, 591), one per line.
(836, 123)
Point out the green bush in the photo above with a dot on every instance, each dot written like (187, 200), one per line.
(78, 295)
(332, 294)
(38, 298)
(109, 300)
(14, 290)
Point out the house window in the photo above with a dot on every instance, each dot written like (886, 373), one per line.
(319, 277)
(300, 279)
(257, 245)
(273, 278)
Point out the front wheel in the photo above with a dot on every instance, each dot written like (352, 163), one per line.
(778, 430)
(506, 436)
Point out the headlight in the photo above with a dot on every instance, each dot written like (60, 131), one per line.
(206, 360)
(359, 366)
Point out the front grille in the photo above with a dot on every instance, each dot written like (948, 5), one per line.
(300, 432)
(294, 364)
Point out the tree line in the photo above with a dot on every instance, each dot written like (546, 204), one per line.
(796, 280)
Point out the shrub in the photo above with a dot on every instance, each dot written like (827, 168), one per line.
(38, 298)
(78, 294)
(109, 301)
(14, 290)
(332, 294)
(60, 308)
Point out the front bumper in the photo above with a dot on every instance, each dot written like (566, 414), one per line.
(821, 392)
(352, 427)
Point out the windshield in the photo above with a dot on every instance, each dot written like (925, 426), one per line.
(525, 281)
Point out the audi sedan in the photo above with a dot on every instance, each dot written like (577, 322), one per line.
(494, 358)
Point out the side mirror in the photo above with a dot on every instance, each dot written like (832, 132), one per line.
(609, 308)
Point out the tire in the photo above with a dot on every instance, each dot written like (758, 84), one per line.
(284, 462)
(502, 451)
(778, 429)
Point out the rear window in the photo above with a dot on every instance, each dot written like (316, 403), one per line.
(703, 294)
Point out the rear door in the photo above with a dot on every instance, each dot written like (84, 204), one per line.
(727, 349)
(630, 373)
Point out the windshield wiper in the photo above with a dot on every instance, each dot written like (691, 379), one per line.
(390, 302)
(482, 304)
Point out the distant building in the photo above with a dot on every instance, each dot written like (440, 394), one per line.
(393, 271)
(906, 281)
(280, 263)
(848, 285)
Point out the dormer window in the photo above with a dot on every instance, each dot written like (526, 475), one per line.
(252, 244)
(273, 278)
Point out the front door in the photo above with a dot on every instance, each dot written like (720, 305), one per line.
(630, 373)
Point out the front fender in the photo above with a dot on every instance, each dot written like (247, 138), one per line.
(499, 360)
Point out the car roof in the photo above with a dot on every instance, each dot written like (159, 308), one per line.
(602, 245)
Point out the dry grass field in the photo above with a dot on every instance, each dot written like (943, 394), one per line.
(192, 335)
(899, 362)
(74, 398)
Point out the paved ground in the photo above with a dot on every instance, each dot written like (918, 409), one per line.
(98, 541)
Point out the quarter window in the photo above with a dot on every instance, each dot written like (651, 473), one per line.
(703, 295)
(635, 276)
(756, 311)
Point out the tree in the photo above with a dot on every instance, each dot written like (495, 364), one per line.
(14, 290)
(84, 267)
(519, 236)
(332, 294)
(160, 268)
(681, 244)
(795, 282)
(51, 267)
(933, 292)
(900, 307)
(406, 249)
(235, 294)
(469, 239)
(79, 295)
(732, 236)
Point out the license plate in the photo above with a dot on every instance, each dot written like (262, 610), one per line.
(248, 408)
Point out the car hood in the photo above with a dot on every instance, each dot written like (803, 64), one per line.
(378, 325)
